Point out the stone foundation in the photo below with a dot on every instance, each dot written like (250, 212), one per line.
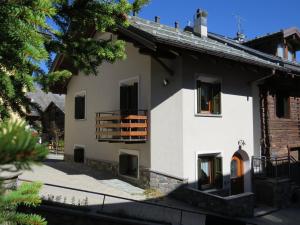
(241, 205)
(164, 183)
(111, 167)
(273, 192)
(68, 158)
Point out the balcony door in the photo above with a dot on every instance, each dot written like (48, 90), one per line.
(129, 99)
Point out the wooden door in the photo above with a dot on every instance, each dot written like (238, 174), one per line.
(237, 175)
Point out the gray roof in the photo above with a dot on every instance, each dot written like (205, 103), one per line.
(213, 44)
(45, 99)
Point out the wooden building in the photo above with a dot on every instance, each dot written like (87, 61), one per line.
(280, 96)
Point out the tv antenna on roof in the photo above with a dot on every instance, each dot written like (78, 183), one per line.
(239, 21)
(240, 33)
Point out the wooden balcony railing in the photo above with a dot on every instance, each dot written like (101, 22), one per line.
(117, 126)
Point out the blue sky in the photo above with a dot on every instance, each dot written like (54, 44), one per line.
(260, 16)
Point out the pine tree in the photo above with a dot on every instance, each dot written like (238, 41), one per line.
(33, 31)
(19, 149)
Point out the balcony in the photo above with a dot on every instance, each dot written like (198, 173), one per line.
(122, 126)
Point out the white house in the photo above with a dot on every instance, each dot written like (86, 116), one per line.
(182, 108)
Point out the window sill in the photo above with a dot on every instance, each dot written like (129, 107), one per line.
(208, 115)
(283, 118)
(129, 177)
(80, 119)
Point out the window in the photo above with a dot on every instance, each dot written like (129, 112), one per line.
(208, 98)
(79, 154)
(80, 107)
(209, 172)
(129, 98)
(280, 50)
(128, 165)
(282, 105)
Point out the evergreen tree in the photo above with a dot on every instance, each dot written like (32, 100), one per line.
(19, 149)
(33, 30)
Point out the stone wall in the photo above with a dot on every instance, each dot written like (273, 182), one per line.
(241, 205)
(68, 158)
(273, 192)
(165, 183)
(111, 167)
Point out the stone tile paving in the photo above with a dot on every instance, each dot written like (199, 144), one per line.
(79, 176)
(123, 186)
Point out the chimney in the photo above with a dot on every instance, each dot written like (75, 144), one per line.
(157, 19)
(200, 23)
(240, 37)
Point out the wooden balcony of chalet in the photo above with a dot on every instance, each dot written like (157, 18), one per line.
(122, 126)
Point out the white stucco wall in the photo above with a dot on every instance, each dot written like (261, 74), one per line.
(103, 94)
(204, 134)
(166, 119)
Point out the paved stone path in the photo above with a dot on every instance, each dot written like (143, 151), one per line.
(81, 177)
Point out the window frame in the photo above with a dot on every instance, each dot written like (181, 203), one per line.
(81, 94)
(211, 80)
(134, 153)
(212, 157)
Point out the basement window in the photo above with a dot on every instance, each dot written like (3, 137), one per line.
(209, 172)
(80, 106)
(128, 165)
(208, 98)
(282, 105)
(79, 154)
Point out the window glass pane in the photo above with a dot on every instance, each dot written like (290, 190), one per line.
(233, 168)
(79, 107)
(205, 175)
(218, 175)
(282, 105)
(206, 91)
(216, 102)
